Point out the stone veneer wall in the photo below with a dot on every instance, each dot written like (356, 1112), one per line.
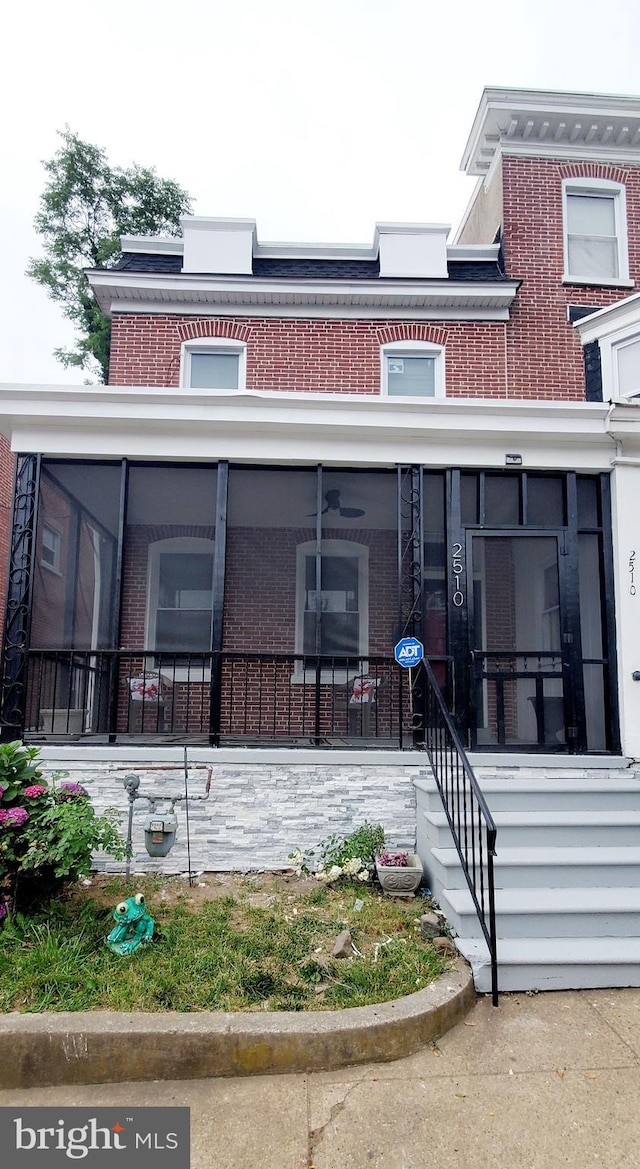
(257, 813)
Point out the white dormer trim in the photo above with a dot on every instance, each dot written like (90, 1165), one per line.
(223, 246)
(417, 250)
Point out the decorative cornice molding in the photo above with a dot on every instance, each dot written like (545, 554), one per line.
(540, 123)
(118, 291)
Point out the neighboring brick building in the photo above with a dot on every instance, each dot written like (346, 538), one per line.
(304, 452)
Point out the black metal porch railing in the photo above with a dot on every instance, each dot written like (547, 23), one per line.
(228, 697)
(472, 826)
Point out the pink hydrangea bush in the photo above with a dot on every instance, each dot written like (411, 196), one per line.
(48, 832)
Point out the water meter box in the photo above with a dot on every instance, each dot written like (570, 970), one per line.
(160, 830)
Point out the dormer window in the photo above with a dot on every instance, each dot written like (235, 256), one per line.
(214, 363)
(413, 369)
(595, 223)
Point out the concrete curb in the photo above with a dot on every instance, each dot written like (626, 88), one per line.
(99, 1047)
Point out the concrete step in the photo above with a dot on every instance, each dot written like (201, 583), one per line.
(563, 793)
(564, 963)
(555, 867)
(549, 913)
(574, 828)
(559, 791)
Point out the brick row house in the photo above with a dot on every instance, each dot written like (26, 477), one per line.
(306, 452)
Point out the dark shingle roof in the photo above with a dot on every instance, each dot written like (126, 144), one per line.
(301, 269)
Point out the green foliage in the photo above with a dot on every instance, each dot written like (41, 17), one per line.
(227, 954)
(18, 769)
(343, 857)
(365, 842)
(85, 207)
(48, 833)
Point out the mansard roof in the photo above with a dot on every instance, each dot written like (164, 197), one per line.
(310, 269)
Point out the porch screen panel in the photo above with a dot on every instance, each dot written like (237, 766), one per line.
(266, 692)
(434, 589)
(74, 610)
(76, 546)
(517, 641)
(168, 559)
(591, 629)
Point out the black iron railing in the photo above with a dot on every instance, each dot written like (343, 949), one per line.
(471, 823)
(224, 697)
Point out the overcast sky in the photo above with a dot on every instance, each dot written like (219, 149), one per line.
(314, 118)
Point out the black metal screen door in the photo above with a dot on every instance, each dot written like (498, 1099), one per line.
(518, 681)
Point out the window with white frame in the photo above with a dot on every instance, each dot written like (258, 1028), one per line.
(214, 363)
(413, 369)
(180, 595)
(595, 232)
(626, 367)
(341, 598)
(51, 548)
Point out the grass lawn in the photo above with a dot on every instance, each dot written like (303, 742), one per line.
(227, 943)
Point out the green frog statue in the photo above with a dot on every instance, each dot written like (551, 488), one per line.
(135, 926)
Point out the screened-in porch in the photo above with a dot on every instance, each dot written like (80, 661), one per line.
(235, 604)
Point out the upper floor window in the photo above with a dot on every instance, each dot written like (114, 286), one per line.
(413, 369)
(595, 232)
(214, 363)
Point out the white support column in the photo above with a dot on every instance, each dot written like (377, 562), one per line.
(625, 483)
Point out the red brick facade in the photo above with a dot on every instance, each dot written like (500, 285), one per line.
(317, 356)
(544, 356)
(536, 354)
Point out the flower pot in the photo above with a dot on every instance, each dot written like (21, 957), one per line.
(401, 880)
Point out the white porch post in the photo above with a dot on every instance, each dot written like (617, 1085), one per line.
(625, 483)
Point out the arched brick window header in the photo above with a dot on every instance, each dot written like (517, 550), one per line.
(213, 327)
(593, 170)
(433, 333)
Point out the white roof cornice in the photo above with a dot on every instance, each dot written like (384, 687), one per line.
(122, 291)
(555, 124)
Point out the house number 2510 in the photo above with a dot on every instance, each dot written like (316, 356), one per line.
(458, 569)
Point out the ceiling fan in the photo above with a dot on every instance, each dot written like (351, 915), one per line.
(332, 499)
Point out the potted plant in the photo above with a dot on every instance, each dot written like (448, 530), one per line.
(399, 873)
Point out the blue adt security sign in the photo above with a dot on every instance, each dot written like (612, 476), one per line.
(409, 651)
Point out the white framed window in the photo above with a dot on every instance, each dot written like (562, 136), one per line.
(51, 548)
(342, 598)
(214, 363)
(595, 232)
(180, 600)
(412, 369)
(626, 367)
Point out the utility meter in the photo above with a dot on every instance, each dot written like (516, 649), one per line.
(160, 830)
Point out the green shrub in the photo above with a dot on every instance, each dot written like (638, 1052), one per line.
(48, 832)
(347, 857)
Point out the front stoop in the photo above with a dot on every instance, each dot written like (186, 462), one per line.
(567, 875)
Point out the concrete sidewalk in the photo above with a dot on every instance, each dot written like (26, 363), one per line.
(545, 1081)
